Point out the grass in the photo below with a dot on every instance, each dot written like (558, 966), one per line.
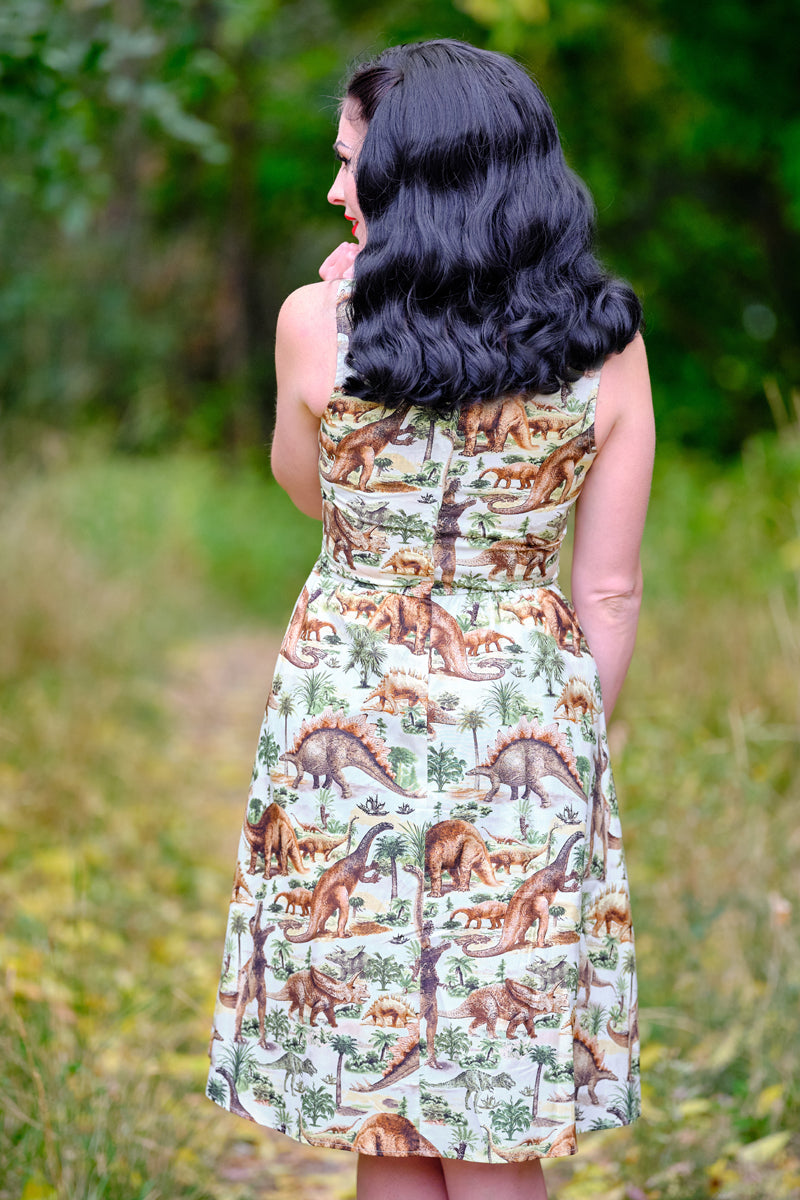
(117, 849)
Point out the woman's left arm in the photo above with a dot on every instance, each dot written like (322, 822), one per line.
(305, 367)
(610, 514)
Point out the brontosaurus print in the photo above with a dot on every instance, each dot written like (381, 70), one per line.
(358, 449)
(335, 887)
(531, 902)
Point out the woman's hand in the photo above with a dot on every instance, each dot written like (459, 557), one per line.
(339, 263)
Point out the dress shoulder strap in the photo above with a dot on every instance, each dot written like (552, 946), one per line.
(585, 389)
(342, 329)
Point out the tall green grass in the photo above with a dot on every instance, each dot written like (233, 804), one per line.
(114, 885)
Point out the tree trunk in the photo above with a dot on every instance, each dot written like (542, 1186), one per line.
(429, 443)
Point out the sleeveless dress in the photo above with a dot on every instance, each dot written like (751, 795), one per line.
(430, 948)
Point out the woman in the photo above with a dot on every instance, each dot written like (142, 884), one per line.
(436, 703)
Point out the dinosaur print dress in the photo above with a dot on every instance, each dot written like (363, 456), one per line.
(430, 948)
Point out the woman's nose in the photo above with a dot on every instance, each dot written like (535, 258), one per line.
(336, 195)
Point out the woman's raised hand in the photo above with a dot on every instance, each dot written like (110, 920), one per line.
(339, 263)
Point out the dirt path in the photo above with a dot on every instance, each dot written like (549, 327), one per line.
(216, 696)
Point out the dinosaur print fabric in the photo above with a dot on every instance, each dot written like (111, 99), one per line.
(430, 948)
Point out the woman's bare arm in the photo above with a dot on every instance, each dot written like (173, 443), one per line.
(305, 365)
(606, 571)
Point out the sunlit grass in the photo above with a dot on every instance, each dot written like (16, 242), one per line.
(114, 885)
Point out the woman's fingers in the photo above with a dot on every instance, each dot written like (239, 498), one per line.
(339, 263)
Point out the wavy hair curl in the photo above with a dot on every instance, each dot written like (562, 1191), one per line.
(478, 276)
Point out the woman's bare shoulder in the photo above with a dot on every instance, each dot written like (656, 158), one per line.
(308, 306)
(305, 344)
(624, 392)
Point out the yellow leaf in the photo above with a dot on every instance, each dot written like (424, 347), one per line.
(695, 1107)
(37, 1188)
(790, 554)
(652, 1053)
(768, 1099)
(725, 1050)
(765, 1149)
(589, 1181)
(720, 1174)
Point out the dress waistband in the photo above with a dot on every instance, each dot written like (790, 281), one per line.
(464, 583)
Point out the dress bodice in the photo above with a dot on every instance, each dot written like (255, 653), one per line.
(478, 499)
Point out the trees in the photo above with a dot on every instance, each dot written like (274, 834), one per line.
(452, 1041)
(317, 1103)
(547, 660)
(164, 168)
(286, 709)
(510, 1116)
(342, 1044)
(382, 970)
(268, 750)
(237, 928)
(629, 969)
(276, 1022)
(543, 1056)
(461, 976)
(389, 849)
(506, 700)
(367, 652)
(382, 1039)
(240, 1061)
(410, 526)
(463, 1137)
(404, 763)
(482, 525)
(472, 719)
(317, 691)
(444, 766)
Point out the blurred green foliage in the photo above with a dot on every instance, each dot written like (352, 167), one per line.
(164, 164)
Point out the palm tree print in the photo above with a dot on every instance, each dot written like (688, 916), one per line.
(341, 1044)
(276, 1022)
(389, 850)
(543, 1056)
(316, 691)
(286, 709)
(506, 700)
(483, 524)
(381, 1039)
(473, 719)
(463, 1137)
(547, 661)
(238, 928)
(240, 1060)
(367, 652)
(417, 670)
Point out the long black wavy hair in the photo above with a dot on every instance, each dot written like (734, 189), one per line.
(478, 276)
